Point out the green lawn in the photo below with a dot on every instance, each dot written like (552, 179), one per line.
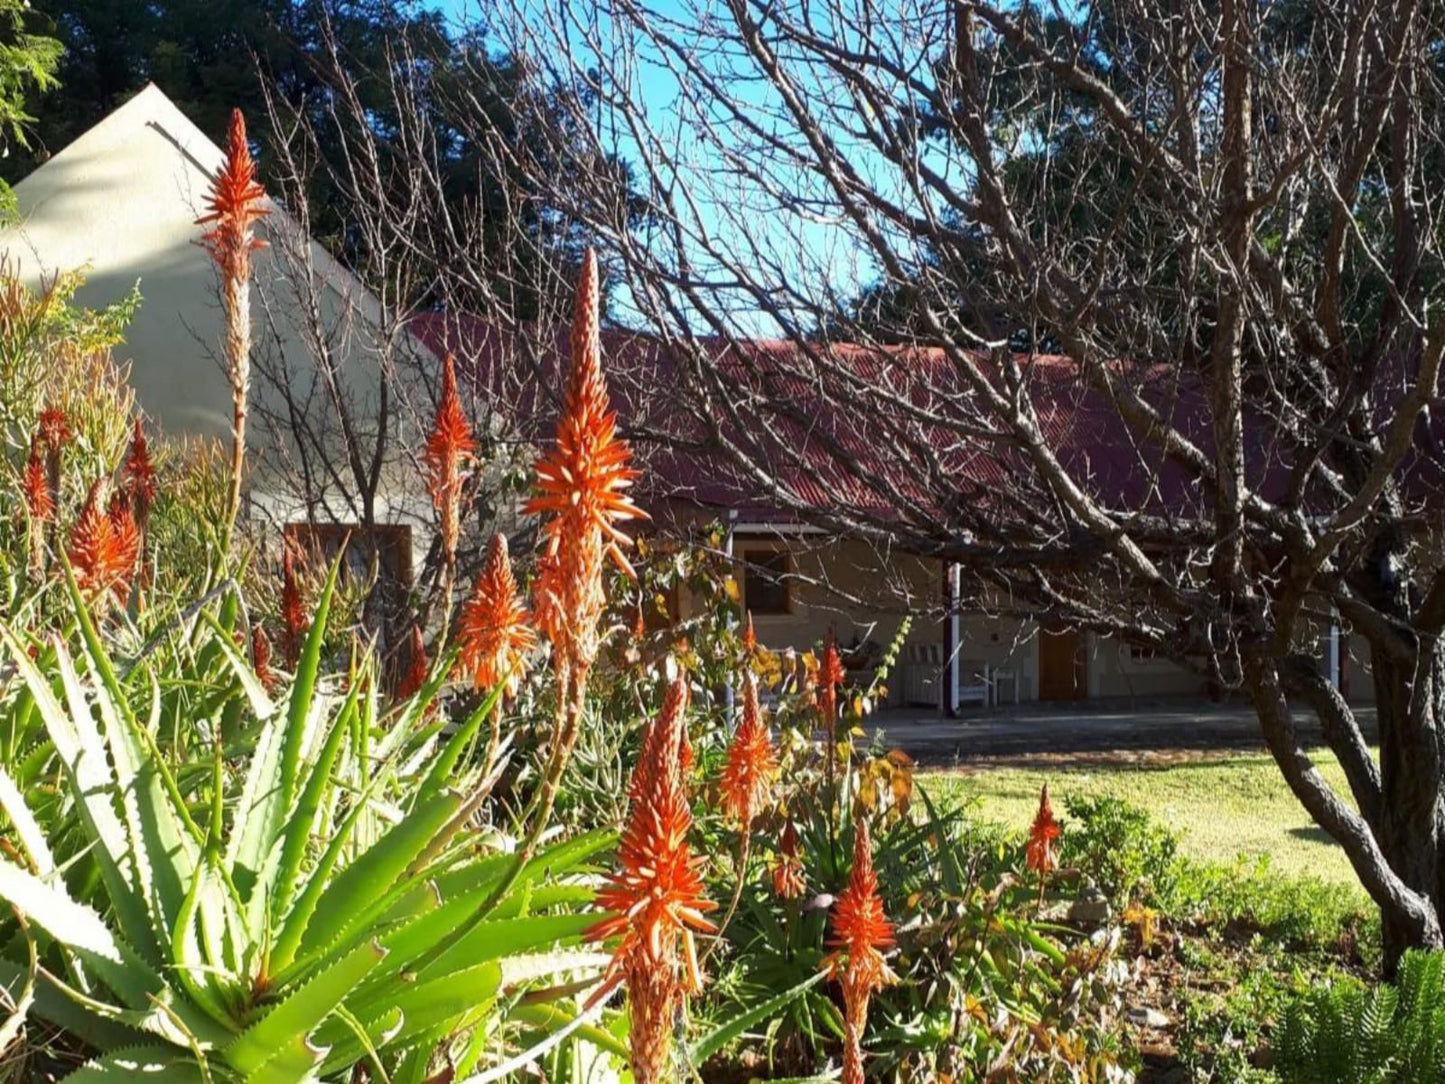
(1221, 808)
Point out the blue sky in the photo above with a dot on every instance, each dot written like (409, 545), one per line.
(813, 244)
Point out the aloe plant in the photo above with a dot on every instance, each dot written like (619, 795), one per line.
(278, 915)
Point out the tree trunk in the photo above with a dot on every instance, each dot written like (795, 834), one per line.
(1410, 702)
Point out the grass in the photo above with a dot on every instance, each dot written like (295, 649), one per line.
(1220, 808)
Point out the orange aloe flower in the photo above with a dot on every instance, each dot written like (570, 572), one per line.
(261, 658)
(581, 487)
(860, 932)
(39, 504)
(448, 449)
(752, 763)
(139, 476)
(789, 880)
(417, 668)
(55, 432)
(39, 501)
(54, 428)
(656, 898)
(293, 610)
(234, 203)
(1039, 853)
(494, 627)
(830, 676)
(750, 635)
(104, 546)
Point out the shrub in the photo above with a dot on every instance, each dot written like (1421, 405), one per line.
(1117, 844)
(1347, 1033)
(303, 895)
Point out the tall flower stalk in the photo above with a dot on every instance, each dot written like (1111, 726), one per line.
(656, 896)
(234, 206)
(138, 483)
(293, 609)
(1039, 854)
(830, 677)
(747, 782)
(582, 487)
(450, 447)
(39, 505)
(861, 931)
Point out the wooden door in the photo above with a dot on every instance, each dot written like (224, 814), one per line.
(1061, 664)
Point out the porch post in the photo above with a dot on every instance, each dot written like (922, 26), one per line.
(948, 700)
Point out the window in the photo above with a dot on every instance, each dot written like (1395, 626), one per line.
(1141, 656)
(321, 542)
(765, 584)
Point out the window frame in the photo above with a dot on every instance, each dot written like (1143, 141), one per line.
(756, 557)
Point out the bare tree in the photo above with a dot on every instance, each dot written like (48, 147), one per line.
(1129, 308)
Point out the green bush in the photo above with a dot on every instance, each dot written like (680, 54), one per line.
(1347, 1033)
(1117, 844)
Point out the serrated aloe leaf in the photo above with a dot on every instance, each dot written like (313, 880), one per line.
(294, 1063)
(52, 1004)
(82, 753)
(260, 700)
(129, 1065)
(491, 940)
(358, 893)
(163, 854)
(49, 906)
(440, 773)
(709, 1044)
(295, 1018)
(194, 971)
(427, 1005)
(550, 1018)
(32, 839)
(302, 819)
(257, 815)
(303, 688)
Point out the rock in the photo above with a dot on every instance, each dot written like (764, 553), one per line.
(1145, 1017)
(1090, 909)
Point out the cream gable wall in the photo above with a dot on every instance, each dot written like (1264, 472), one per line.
(122, 201)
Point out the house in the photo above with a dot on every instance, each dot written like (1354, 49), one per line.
(799, 580)
(120, 203)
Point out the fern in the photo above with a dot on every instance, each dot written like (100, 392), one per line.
(1347, 1034)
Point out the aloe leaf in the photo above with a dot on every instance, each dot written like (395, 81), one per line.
(53, 1004)
(294, 1063)
(50, 907)
(163, 854)
(357, 893)
(127, 1065)
(260, 700)
(708, 1045)
(445, 764)
(550, 1018)
(427, 1005)
(24, 823)
(298, 920)
(302, 819)
(303, 688)
(82, 753)
(303, 1011)
(193, 972)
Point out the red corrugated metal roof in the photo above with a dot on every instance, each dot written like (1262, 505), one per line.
(914, 433)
